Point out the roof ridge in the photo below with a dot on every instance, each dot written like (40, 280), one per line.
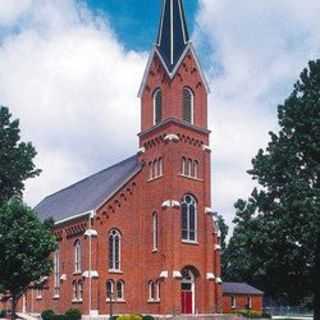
(87, 178)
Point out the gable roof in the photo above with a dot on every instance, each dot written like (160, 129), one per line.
(240, 288)
(89, 193)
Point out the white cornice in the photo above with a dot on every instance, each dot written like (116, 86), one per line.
(177, 275)
(170, 204)
(210, 276)
(91, 233)
(164, 275)
(171, 137)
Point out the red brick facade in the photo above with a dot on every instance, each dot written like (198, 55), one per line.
(131, 209)
(233, 303)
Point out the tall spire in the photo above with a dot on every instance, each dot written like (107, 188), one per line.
(173, 36)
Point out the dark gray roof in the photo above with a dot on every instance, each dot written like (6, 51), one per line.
(87, 194)
(173, 36)
(239, 288)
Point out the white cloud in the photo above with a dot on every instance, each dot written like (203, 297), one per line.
(11, 10)
(69, 80)
(256, 52)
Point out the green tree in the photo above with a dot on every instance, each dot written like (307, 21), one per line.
(26, 245)
(278, 228)
(16, 158)
(224, 229)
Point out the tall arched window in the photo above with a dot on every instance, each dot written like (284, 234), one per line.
(77, 256)
(114, 250)
(189, 218)
(157, 107)
(190, 168)
(155, 232)
(188, 105)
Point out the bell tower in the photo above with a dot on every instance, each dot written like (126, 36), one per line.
(174, 147)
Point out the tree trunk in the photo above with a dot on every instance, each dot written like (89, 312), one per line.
(13, 307)
(316, 283)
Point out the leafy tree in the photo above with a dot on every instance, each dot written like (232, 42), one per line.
(277, 234)
(16, 158)
(223, 227)
(26, 245)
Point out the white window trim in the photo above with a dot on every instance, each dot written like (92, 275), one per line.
(114, 269)
(77, 257)
(155, 232)
(191, 241)
(154, 105)
(192, 104)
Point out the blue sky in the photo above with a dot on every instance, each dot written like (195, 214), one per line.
(136, 22)
(70, 71)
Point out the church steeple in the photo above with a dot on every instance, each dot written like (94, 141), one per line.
(173, 36)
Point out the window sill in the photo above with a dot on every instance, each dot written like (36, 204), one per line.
(56, 297)
(39, 298)
(116, 301)
(190, 177)
(155, 251)
(194, 243)
(115, 271)
(77, 301)
(77, 273)
(153, 301)
(155, 178)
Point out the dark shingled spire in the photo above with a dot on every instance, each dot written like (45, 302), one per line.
(173, 34)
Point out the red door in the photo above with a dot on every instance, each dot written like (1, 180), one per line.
(186, 302)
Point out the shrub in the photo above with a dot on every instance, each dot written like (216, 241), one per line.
(250, 314)
(59, 317)
(147, 317)
(3, 313)
(47, 315)
(130, 317)
(73, 314)
(114, 318)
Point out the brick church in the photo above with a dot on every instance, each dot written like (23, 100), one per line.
(141, 236)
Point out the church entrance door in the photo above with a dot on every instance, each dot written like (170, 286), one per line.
(188, 292)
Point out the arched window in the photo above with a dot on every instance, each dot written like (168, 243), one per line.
(188, 105)
(77, 256)
(39, 292)
(120, 290)
(160, 167)
(109, 289)
(150, 170)
(184, 166)
(189, 218)
(56, 271)
(155, 169)
(155, 232)
(152, 291)
(114, 250)
(75, 290)
(190, 168)
(195, 169)
(157, 107)
(80, 290)
(158, 290)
